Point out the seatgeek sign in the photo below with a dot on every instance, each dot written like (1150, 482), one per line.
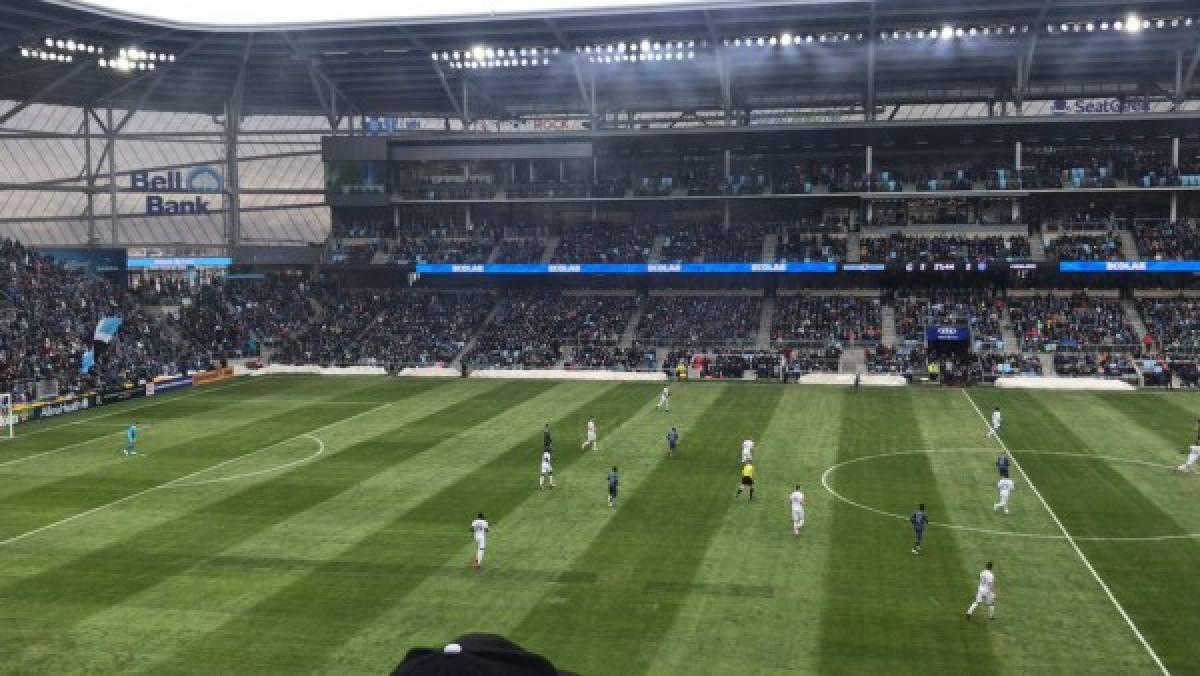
(197, 182)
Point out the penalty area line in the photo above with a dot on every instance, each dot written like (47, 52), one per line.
(181, 480)
(1074, 545)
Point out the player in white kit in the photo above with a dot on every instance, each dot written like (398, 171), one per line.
(547, 471)
(797, 501)
(1192, 460)
(1005, 486)
(591, 435)
(747, 451)
(479, 527)
(994, 429)
(986, 593)
(664, 401)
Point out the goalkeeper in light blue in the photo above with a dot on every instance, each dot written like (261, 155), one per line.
(131, 435)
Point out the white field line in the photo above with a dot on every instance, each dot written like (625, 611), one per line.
(1075, 546)
(55, 450)
(94, 418)
(184, 478)
(161, 399)
(268, 470)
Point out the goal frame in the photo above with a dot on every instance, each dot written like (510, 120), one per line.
(8, 419)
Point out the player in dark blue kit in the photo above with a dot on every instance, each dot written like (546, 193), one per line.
(612, 486)
(672, 441)
(1002, 465)
(919, 520)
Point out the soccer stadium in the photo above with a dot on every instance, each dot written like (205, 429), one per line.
(600, 337)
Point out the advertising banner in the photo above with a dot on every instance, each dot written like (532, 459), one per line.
(214, 376)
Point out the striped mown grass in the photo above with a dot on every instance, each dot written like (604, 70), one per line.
(322, 526)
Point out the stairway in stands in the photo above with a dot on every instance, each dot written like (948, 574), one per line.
(853, 247)
(765, 321)
(888, 315)
(1129, 246)
(494, 254)
(1047, 360)
(630, 332)
(1037, 248)
(1009, 335)
(1135, 319)
(470, 344)
(656, 248)
(770, 248)
(551, 247)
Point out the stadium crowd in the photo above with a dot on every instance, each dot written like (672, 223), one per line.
(1173, 323)
(531, 329)
(47, 318)
(712, 243)
(943, 248)
(980, 311)
(1077, 322)
(700, 321)
(1169, 241)
(1105, 247)
(813, 320)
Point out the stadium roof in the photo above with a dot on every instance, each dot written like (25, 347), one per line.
(838, 53)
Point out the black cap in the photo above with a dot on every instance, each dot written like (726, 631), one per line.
(476, 655)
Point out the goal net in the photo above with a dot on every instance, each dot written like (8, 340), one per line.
(7, 418)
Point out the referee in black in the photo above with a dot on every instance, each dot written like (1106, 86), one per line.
(547, 441)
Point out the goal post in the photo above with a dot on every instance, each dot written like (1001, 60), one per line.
(8, 418)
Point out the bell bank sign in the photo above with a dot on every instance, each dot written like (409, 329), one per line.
(196, 182)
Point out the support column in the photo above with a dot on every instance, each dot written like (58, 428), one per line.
(91, 177)
(466, 111)
(870, 213)
(728, 165)
(870, 160)
(112, 177)
(1175, 193)
(1016, 211)
(233, 188)
(562, 172)
(726, 218)
(1017, 156)
(531, 181)
(592, 97)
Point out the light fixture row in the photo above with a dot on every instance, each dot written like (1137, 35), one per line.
(126, 64)
(643, 46)
(72, 46)
(128, 58)
(46, 55)
(951, 32)
(1132, 23)
(788, 39)
(481, 56)
(643, 56)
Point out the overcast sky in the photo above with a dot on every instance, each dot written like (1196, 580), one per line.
(244, 12)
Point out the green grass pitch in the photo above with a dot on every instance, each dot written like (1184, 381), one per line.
(300, 524)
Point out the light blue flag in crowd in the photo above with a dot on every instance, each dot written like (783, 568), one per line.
(106, 329)
(87, 362)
